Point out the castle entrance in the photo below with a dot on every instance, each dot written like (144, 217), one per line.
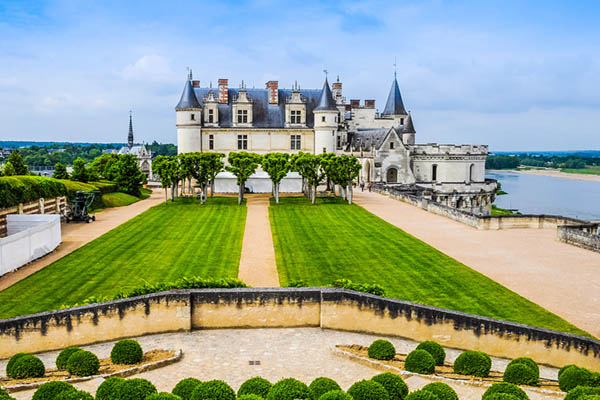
(392, 175)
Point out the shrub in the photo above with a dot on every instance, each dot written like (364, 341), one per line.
(368, 390)
(289, 389)
(213, 390)
(185, 387)
(126, 351)
(136, 389)
(421, 395)
(63, 357)
(435, 349)
(591, 397)
(336, 395)
(74, 395)
(505, 388)
(163, 396)
(527, 361)
(28, 366)
(441, 390)
(420, 361)
(520, 374)
(474, 363)
(372, 288)
(83, 363)
(563, 369)
(49, 390)
(322, 385)
(257, 385)
(393, 384)
(382, 350)
(595, 379)
(580, 391)
(11, 363)
(501, 396)
(6, 396)
(573, 377)
(250, 397)
(109, 389)
(23, 189)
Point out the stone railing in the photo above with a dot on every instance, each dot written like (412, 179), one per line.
(586, 235)
(42, 206)
(327, 308)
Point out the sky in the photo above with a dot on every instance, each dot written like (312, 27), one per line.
(516, 75)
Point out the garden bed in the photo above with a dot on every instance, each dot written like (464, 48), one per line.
(152, 360)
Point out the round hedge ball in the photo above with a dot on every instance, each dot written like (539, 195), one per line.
(441, 390)
(74, 395)
(421, 395)
(501, 396)
(163, 396)
(580, 391)
(336, 395)
(393, 384)
(250, 397)
(5, 396)
(126, 351)
(322, 385)
(136, 389)
(420, 361)
(382, 350)
(520, 374)
(83, 363)
(475, 363)
(368, 390)
(527, 361)
(563, 369)
(257, 385)
(12, 361)
(289, 389)
(591, 397)
(573, 377)
(185, 387)
(435, 349)
(49, 390)
(213, 390)
(63, 357)
(28, 366)
(505, 388)
(109, 389)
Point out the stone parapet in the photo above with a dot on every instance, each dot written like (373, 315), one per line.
(586, 235)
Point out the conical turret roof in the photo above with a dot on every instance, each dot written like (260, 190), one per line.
(409, 126)
(326, 102)
(394, 105)
(188, 97)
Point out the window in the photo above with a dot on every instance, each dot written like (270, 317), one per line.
(211, 142)
(211, 117)
(295, 117)
(391, 145)
(242, 142)
(295, 142)
(323, 118)
(192, 117)
(339, 142)
(434, 172)
(401, 121)
(242, 116)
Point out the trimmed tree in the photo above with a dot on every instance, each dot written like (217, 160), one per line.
(18, 164)
(199, 167)
(243, 164)
(311, 168)
(60, 171)
(348, 168)
(8, 169)
(159, 168)
(79, 172)
(129, 178)
(215, 165)
(277, 165)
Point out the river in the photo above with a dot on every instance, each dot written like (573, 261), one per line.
(535, 194)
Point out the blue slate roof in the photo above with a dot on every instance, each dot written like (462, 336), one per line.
(366, 138)
(188, 98)
(394, 105)
(409, 127)
(326, 101)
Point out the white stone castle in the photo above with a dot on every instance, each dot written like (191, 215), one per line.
(319, 120)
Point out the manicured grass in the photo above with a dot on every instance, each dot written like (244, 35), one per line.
(502, 211)
(318, 244)
(589, 170)
(167, 242)
(118, 199)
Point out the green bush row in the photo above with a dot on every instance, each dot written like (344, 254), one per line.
(23, 189)
(371, 288)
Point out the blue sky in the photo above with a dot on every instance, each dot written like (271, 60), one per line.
(515, 75)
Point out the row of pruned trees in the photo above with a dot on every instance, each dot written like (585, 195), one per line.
(204, 167)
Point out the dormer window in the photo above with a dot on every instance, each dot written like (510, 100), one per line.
(391, 145)
(296, 117)
(242, 116)
(211, 116)
(193, 117)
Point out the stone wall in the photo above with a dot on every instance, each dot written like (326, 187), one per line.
(42, 206)
(586, 236)
(328, 308)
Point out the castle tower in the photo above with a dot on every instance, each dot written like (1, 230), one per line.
(189, 120)
(394, 107)
(408, 132)
(326, 122)
(130, 135)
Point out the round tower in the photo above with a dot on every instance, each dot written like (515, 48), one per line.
(189, 120)
(326, 122)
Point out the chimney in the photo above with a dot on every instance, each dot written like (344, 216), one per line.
(355, 103)
(223, 91)
(337, 89)
(369, 103)
(196, 83)
(272, 87)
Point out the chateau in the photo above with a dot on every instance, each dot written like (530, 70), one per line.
(272, 119)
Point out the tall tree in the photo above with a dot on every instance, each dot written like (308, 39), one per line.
(348, 168)
(79, 172)
(242, 164)
(8, 169)
(277, 165)
(18, 164)
(328, 165)
(129, 177)
(60, 171)
(311, 168)
(186, 161)
(160, 167)
(103, 165)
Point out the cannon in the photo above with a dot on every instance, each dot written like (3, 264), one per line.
(80, 207)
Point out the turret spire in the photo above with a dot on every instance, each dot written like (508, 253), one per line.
(188, 97)
(130, 136)
(394, 104)
(326, 102)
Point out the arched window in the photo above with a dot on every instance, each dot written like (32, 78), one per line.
(434, 172)
(472, 173)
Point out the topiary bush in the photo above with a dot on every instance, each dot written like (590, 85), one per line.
(591, 397)
(136, 389)
(435, 349)
(441, 390)
(573, 377)
(63, 357)
(421, 395)
(368, 390)
(505, 388)
(580, 391)
(163, 396)
(475, 363)
(12, 362)
(336, 395)
(126, 351)
(382, 350)
(109, 389)
(420, 361)
(595, 379)
(49, 390)
(213, 390)
(501, 396)
(563, 369)
(520, 374)
(28, 366)
(257, 385)
(527, 361)
(74, 395)
(322, 385)
(289, 389)
(185, 387)
(83, 363)
(250, 397)
(5, 396)
(393, 384)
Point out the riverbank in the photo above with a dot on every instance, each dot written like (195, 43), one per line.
(555, 173)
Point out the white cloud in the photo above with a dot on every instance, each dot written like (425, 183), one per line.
(150, 67)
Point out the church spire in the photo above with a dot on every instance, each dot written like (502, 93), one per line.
(130, 136)
(394, 104)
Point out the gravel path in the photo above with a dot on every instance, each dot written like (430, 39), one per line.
(562, 278)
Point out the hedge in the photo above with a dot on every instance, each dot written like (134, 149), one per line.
(213, 390)
(83, 363)
(506, 388)
(393, 384)
(335, 395)
(257, 385)
(322, 385)
(63, 357)
(382, 350)
(441, 390)
(420, 361)
(421, 395)
(521, 374)
(126, 352)
(136, 389)
(580, 391)
(49, 390)
(24, 189)
(289, 389)
(109, 389)
(185, 387)
(574, 376)
(28, 366)
(368, 390)
(475, 363)
(435, 349)
(251, 397)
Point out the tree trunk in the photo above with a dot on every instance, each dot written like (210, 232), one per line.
(202, 196)
(313, 195)
(205, 192)
(350, 192)
(241, 194)
(172, 192)
(166, 198)
(277, 193)
(212, 187)
(190, 186)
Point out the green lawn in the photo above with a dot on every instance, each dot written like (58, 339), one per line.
(589, 170)
(162, 244)
(318, 244)
(118, 199)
